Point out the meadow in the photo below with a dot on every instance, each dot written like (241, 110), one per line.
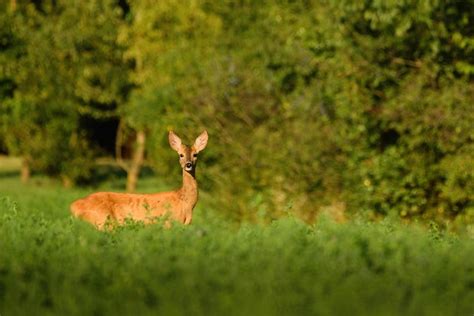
(338, 179)
(51, 263)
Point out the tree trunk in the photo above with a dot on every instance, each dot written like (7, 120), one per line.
(25, 170)
(137, 162)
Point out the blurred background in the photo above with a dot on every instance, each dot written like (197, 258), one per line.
(359, 109)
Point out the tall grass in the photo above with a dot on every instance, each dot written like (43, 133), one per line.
(53, 264)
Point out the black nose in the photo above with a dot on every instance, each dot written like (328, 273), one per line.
(189, 165)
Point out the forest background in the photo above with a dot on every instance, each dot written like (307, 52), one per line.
(357, 108)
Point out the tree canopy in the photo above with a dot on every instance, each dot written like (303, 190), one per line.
(362, 106)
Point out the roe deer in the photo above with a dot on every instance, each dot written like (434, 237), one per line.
(99, 207)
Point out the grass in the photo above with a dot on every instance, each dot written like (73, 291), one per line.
(52, 264)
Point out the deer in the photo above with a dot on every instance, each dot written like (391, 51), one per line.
(102, 208)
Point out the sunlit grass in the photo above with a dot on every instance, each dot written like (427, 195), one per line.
(51, 263)
(9, 164)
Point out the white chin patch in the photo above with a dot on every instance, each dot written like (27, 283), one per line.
(188, 169)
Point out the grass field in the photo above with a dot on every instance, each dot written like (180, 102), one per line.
(53, 264)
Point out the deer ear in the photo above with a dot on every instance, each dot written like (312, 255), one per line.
(175, 141)
(201, 141)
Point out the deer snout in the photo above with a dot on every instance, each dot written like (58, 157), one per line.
(188, 166)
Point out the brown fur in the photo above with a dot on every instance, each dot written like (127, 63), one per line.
(98, 208)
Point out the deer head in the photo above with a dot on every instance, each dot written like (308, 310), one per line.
(188, 155)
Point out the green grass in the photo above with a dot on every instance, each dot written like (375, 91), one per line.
(53, 264)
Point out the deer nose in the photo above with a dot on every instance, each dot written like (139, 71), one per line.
(188, 165)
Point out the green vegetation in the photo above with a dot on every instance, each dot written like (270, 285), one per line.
(359, 111)
(53, 264)
(309, 104)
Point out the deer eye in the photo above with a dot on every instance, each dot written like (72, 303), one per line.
(195, 155)
(181, 155)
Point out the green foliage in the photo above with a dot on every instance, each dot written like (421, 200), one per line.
(52, 264)
(308, 104)
(64, 64)
(428, 131)
(164, 41)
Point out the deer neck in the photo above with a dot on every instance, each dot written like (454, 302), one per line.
(189, 190)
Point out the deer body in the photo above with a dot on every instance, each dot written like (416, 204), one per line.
(100, 207)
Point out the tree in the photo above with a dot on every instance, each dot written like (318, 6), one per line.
(68, 66)
(163, 41)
